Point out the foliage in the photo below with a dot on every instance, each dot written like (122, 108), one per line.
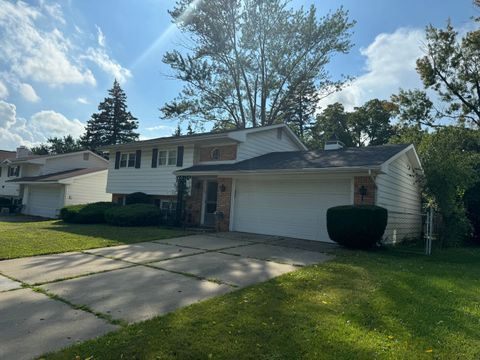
(361, 305)
(451, 161)
(133, 215)
(29, 238)
(58, 145)
(357, 226)
(93, 213)
(138, 198)
(472, 206)
(113, 124)
(300, 106)
(369, 124)
(247, 58)
(450, 69)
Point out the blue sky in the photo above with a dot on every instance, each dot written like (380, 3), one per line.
(58, 59)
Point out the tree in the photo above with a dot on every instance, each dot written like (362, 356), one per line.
(369, 124)
(332, 120)
(300, 106)
(247, 58)
(113, 124)
(58, 145)
(450, 68)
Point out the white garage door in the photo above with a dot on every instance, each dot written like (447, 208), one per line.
(44, 201)
(291, 208)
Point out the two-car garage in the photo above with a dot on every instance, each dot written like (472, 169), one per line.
(290, 207)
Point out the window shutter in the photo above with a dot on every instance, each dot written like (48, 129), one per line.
(180, 156)
(138, 158)
(154, 158)
(117, 160)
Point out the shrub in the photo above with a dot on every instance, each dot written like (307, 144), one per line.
(93, 213)
(357, 226)
(137, 198)
(133, 215)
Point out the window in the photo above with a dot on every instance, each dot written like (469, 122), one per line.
(86, 156)
(127, 160)
(279, 134)
(123, 160)
(13, 171)
(131, 160)
(215, 154)
(172, 157)
(168, 205)
(167, 157)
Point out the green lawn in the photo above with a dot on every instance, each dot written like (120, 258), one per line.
(380, 305)
(27, 238)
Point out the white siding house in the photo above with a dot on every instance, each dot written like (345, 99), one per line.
(264, 180)
(44, 184)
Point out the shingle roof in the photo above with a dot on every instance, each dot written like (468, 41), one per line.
(7, 154)
(54, 177)
(297, 160)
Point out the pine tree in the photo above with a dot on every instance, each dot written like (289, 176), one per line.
(113, 124)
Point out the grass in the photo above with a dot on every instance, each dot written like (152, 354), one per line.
(363, 305)
(27, 238)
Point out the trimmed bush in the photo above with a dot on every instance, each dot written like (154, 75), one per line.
(133, 215)
(93, 213)
(138, 198)
(357, 226)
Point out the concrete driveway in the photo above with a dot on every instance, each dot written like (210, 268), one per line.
(125, 284)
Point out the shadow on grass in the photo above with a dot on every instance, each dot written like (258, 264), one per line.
(361, 306)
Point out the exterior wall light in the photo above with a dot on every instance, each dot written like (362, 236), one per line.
(222, 188)
(362, 191)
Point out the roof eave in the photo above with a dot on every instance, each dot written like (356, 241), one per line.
(347, 169)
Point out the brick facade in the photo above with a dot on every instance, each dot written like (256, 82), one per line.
(369, 198)
(227, 152)
(224, 197)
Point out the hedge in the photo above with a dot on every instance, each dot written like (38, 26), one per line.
(93, 213)
(357, 226)
(133, 215)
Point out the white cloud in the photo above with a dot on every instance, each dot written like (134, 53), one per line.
(32, 53)
(15, 131)
(3, 90)
(108, 65)
(28, 92)
(160, 127)
(100, 36)
(54, 10)
(83, 100)
(389, 65)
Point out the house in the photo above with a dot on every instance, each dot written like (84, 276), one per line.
(264, 180)
(44, 184)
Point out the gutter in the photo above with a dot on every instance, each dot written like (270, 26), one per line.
(279, 171)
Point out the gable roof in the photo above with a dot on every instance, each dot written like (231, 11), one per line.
(237, 135)
(57, 177)
(347, 158)
(54, 156)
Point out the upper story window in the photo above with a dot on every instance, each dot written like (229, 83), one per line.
(215, 154)
(86, 156)
(13, 171)
(167, 157)
(127, 160)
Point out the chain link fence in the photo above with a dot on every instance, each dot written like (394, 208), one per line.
(416, 232)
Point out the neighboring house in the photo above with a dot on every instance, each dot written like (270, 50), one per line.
(263, 180)
(44, 184)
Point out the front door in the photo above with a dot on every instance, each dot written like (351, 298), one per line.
(210, 199)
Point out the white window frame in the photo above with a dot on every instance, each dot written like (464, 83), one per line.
(167, 158)
(124, 163)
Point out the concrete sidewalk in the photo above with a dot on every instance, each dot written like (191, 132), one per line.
(129, 283)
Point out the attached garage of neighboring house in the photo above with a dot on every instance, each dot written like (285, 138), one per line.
(288, 193)
(45, 195)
